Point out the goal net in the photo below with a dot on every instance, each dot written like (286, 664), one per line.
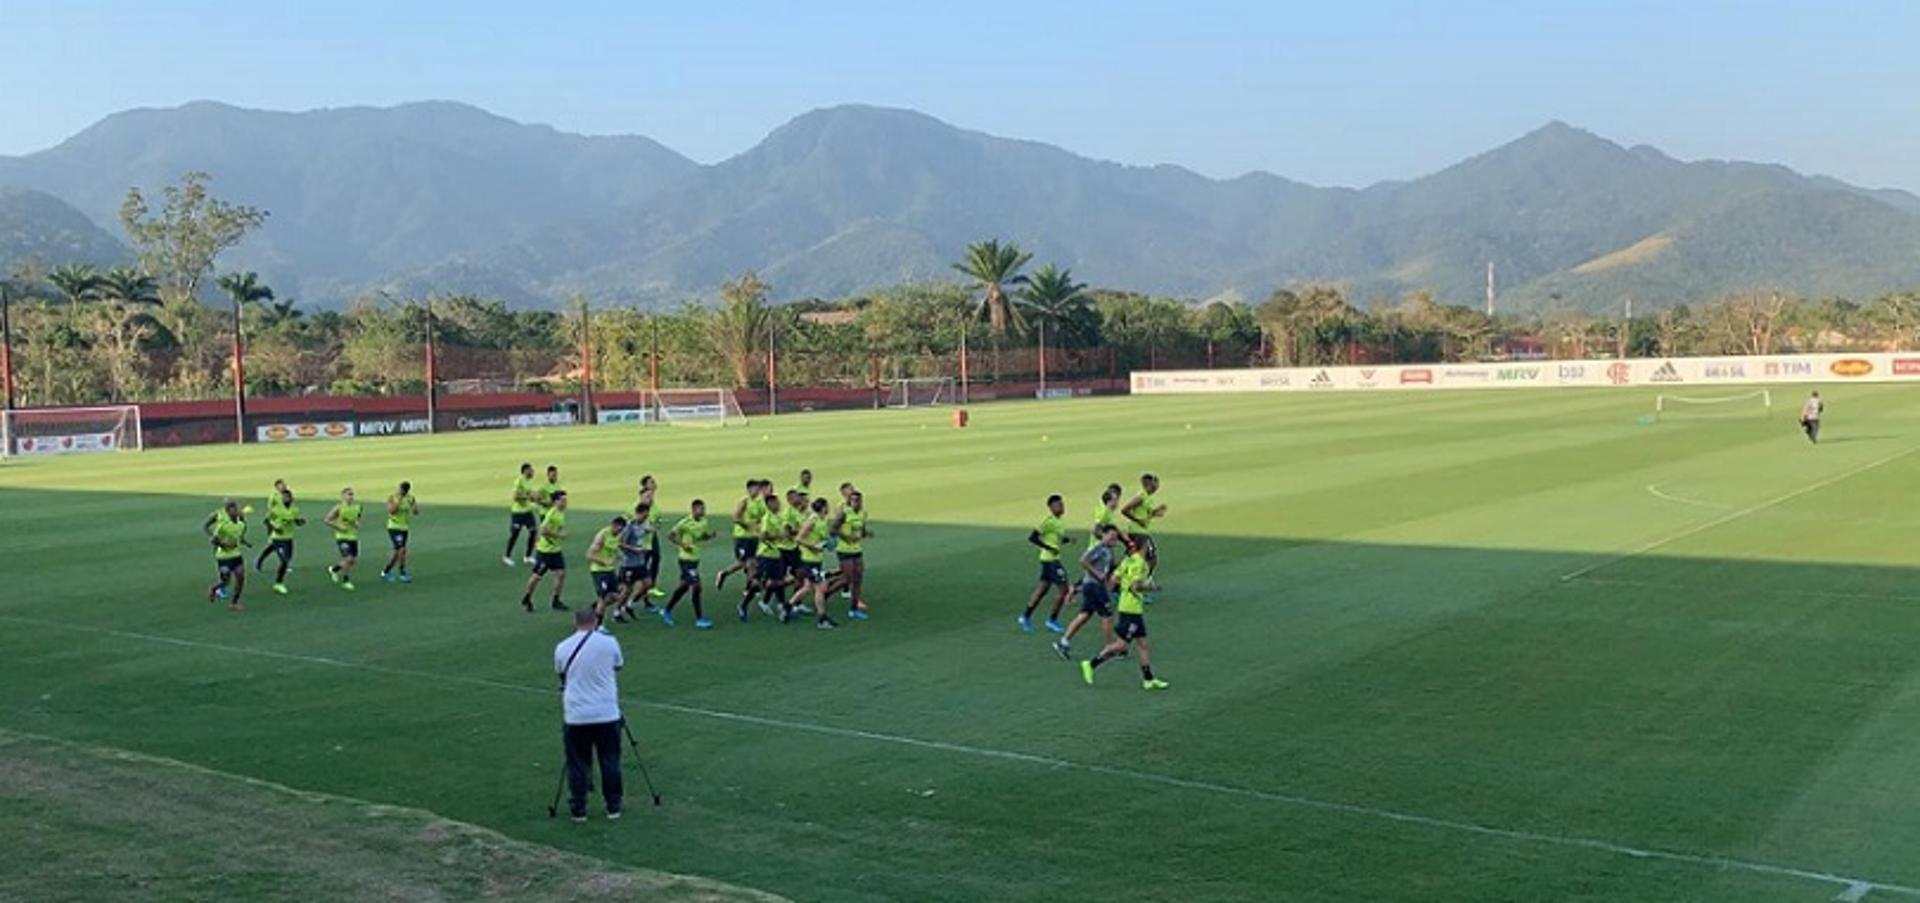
(921, 392)
(1757, 403)
(64, 431)
(693, 407)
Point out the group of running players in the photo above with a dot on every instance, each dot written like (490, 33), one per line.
(226, 530)
(1119, 530)
(780, 543)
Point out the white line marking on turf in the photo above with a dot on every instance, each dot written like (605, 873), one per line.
(1855, 892)
(1763, 590)
(1654, 488)
(1731, 516)
(1849, 883)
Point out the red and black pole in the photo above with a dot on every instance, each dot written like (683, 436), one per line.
(239, 379)
(6, 341)
(433, 370)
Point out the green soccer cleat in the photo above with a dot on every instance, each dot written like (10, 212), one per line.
(346, 585)
(1154, 684)
(1086, 672)
(280, 588)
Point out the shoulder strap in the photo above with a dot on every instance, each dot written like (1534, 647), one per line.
(567, 668)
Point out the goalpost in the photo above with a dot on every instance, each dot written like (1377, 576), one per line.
(921, 392)
(1758, 403)
(64, 431)
(693, 407)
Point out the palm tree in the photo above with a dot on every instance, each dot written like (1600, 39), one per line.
(244, 289)
(76, 282)
(128, 286)
(121, 323)
(1050, 296)
(996, 266)
(736, 329)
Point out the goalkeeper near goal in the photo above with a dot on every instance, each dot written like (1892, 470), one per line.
(1810, 417)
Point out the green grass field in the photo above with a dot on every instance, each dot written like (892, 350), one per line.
(1447, 646)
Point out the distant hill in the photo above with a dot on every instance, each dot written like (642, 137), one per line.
(357, 194)
(440, 196)
(38, 227)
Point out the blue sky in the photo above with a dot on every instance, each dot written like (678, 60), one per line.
(1327, 92)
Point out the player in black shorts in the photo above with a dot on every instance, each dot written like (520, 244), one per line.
(1096, 599)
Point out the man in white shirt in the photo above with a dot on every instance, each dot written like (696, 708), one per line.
(586, 663)
(1810, 417)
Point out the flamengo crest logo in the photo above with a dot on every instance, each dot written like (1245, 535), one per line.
(1619, 374)
(1666, 374)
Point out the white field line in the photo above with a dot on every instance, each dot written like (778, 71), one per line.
(1731, 516)
(1654, 489)
(1762, 590)
(1848, 884)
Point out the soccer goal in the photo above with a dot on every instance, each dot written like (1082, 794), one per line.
(1757, 403)
(65, 431)
(694, 407)
(921, 392)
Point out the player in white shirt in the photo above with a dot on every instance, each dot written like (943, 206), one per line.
(1810, 417)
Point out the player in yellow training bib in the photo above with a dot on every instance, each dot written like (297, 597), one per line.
(1133, 579)
(850, 534)
(402, 508)
(1140, 513)
(345, 521)
(521, 515)
(746, 517)
(548, 554)
(226, 530)
(283, 515)
(1050, 536)
(686, 537)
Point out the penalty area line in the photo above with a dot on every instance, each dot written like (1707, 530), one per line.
(1852, 888)
(1734, 515)
(1654, 490)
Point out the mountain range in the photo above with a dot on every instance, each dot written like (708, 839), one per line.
(447, 198)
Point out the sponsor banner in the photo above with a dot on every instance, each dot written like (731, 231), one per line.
(692, 412)
(65, 444)
(1068, 392)
(623, 415)
(1660, 373)
(303, 432)
(466, 422)
(542, 418)
(392, 426)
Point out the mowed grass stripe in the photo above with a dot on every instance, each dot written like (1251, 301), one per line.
(1404, 647)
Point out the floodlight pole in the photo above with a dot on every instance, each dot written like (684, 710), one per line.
(653, 360)
(963, 362)
(773, 385)
(239, 378)
(586, 357)
(1043, 359)
(433, 370)
(6, 341)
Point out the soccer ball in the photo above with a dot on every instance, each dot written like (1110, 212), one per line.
(246, 509)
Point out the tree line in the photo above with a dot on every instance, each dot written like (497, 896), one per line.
(147, 331)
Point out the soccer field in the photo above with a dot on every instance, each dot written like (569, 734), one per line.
(1443, 646)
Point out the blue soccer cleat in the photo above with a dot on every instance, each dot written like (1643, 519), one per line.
(1026, 623)
(1054, 626)
(666, 617)
(703, 624)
